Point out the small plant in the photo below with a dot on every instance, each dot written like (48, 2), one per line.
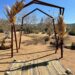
(73, 46)
(46, 39)
(1, 30)
(72, 33)
(61, 27)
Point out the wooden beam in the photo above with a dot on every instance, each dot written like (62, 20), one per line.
(15, 38)
(56, 38)
(48, 4)
(28, 4)
(20, 34)
(45, 4)
(42, 3)
(38, 10)
(29, 13)
(45, 13)
(61, 47)
(11, 40)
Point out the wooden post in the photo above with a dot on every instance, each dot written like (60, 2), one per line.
(15, 38)
(56, 38)
(13, 30)
(57, 45)
(61, 47)
(60, 11)
(20, 39)
(20, 34)
(11, 40)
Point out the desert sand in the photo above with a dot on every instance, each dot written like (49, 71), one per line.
(36, 50)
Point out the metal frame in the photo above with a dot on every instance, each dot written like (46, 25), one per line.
(61, 9)
(13, 30)
(61, 12)
(31, 13)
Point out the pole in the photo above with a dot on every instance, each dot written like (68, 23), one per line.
(56, 38)
(20, 34)
(60, 11)
(11, 40)
(15, 38)
(61, 47)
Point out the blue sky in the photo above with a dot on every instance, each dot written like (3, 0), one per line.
(69, 5)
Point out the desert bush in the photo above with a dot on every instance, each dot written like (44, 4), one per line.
(43, 32)
(73, 46)
(36, 31)
(67, 47)
(1, 30)
(46, 39)
(72, 33)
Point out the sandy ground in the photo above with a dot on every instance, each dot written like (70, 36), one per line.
(30, 51)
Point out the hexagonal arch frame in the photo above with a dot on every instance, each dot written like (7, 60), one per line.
(61, 12)
(31, 13)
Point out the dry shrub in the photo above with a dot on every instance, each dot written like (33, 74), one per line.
(73, 46)
(60, 27)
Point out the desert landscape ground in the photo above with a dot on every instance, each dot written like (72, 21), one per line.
(40, 40)
(32, 49)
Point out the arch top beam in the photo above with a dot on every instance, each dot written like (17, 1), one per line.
(36, 10)
(48, 4)
(43, 3)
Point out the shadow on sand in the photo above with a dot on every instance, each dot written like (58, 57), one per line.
(30, 66)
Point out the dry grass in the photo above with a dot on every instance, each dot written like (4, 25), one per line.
(61, 27)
